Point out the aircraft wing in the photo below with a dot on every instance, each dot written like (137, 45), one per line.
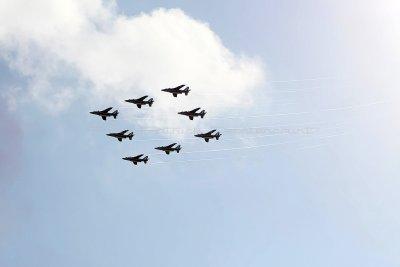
(179, 87)
(210, 132)
(124, 131)
(171, 145)
(142, 98)
(138, 156)
(194, 110)
(107, 110)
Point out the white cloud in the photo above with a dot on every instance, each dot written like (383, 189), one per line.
(65, 45)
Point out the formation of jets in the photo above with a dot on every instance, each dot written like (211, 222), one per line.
(139, 102)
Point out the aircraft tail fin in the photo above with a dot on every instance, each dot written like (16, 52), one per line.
(115, 114)
(187, 90)
(178, 148)
(203, 113)
(130, 136)
(151, 101)
(218, 135)
(146, 159)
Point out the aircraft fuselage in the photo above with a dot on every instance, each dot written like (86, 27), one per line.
(105, 115)
(192, 114)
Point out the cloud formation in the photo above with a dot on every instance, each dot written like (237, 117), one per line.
(70, 49)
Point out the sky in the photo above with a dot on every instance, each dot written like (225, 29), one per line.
(304, 93)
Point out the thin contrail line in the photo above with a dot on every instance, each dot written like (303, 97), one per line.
(280, 125)
(224, 139)
(254, 147)
(259, 146)
(198, 130)
(221, 158)
(189, 160)
(305, 112)
(338, 125)
(267, 135)
(304, 80)
(292, 113)
(230, 128)
(272, 91)
(312, 146)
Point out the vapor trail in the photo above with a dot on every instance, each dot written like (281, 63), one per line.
(189, 160)
(221, 158)
(312, 146)
(267, 135)
(230, 128)
(292, 113)
(337, 126)
(304, 112)
(304, 80)
(259, 146)
(255, 147)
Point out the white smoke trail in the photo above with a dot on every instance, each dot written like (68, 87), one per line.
(241, 157)
(255, 147)
(312, 146)
(260, 146)
(305, 79)
(305, 112)
(337, 126)
(185, 161)
(291, 113)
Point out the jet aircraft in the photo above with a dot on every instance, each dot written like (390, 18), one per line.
(105, 113)
(209, 135)
(177, 90)
(193, 113)
(139, 102)
(122, 135)
(169, 148)
(136, 159)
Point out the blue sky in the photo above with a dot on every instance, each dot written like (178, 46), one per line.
(67, 198)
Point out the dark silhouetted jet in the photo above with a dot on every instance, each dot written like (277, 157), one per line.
(169, 148)
(209, 135)
(105, 113)
(122, 135)
(141, 101)
(177, 90)
(193, 113)
(136, 159)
